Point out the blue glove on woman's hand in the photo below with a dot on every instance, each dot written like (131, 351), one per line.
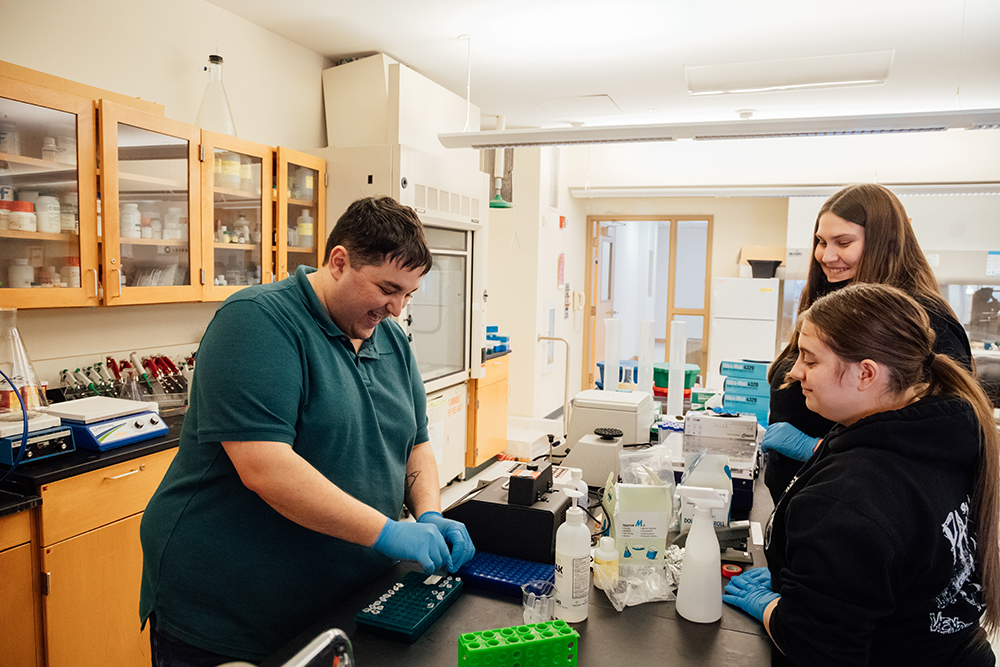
(751, 592)
(418, 542)
(785, 439)
(454, 534)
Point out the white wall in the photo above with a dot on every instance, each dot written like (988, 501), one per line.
(157, 51)
(956, 231)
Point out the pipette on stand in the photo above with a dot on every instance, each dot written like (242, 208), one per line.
(85, 381)
(137, 365)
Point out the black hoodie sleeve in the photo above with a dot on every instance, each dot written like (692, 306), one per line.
(837, 583)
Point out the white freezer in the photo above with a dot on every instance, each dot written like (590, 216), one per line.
(744, 322)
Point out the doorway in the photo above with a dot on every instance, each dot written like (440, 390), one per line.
(651, 267)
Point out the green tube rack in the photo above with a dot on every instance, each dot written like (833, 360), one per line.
(549, 644)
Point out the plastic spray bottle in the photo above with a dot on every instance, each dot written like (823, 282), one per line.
(699, 595)
(573, 563)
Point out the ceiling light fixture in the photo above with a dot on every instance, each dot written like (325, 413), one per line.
(740, 129)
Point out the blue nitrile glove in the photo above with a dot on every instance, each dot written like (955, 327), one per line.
(788, 440)
(751, 592)
(454, 534)
(418, 542)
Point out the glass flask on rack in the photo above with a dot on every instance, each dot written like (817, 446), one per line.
(214, 114)
(16, 365)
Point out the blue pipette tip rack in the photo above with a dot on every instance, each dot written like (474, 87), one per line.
(410, 606)
(503, 574)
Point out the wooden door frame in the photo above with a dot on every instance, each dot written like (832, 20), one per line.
(592, 289)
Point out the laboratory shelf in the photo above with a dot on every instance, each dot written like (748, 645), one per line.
(38, 236)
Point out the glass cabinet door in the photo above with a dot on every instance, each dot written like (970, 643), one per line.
(48, 235)
(439, 318)
(151, 184)
(300, 235)
(238, 174)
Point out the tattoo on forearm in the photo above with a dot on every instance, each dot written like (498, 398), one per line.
(411, 479)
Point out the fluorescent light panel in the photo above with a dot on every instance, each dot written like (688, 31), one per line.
(968, 188)
(738, 129)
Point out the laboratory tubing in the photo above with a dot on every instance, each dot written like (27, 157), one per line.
(699, 595)
(48, 214)
(573, 564)
(20, 274)
(130, 221)
(606, 564)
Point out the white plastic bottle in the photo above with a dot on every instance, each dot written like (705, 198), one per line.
(573, 564)
(606, 563)
(576, 475)
(699, 595)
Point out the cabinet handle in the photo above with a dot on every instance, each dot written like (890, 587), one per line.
(130, 472)
(119, 281)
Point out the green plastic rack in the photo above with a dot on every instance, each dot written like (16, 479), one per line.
(549, 644)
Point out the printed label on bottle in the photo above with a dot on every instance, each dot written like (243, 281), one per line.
(577, 570)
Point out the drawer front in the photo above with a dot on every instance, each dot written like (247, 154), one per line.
(15, 529)
(496, 370)
(75, 505)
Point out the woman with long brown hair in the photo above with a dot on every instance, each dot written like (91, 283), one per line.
(884, 549)
(862, 235)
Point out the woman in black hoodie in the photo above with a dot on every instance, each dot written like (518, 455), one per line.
(884, 548)
(862, 235)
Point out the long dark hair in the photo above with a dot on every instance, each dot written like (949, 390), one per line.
(884, 324)
(890, 256)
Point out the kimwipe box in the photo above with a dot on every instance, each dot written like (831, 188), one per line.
(752, 370)
(642, 515)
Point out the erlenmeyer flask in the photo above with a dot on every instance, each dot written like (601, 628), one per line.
(215, 114)
(16, 365)
(130, 386)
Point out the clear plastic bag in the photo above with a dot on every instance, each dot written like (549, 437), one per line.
(640, 466)
(639, 584)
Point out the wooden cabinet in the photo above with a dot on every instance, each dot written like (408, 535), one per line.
(91, 563)
(237, 210)
(150, 236)
(151, 194)
(18, 593)
(488, 398)
(300, 211)
(47, 164)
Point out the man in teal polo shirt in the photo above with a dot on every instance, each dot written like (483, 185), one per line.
(305, 436)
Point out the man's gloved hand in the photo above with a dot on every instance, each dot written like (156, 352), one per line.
(418, 542)
(455, 534)
(751, 592)
(785, 439)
